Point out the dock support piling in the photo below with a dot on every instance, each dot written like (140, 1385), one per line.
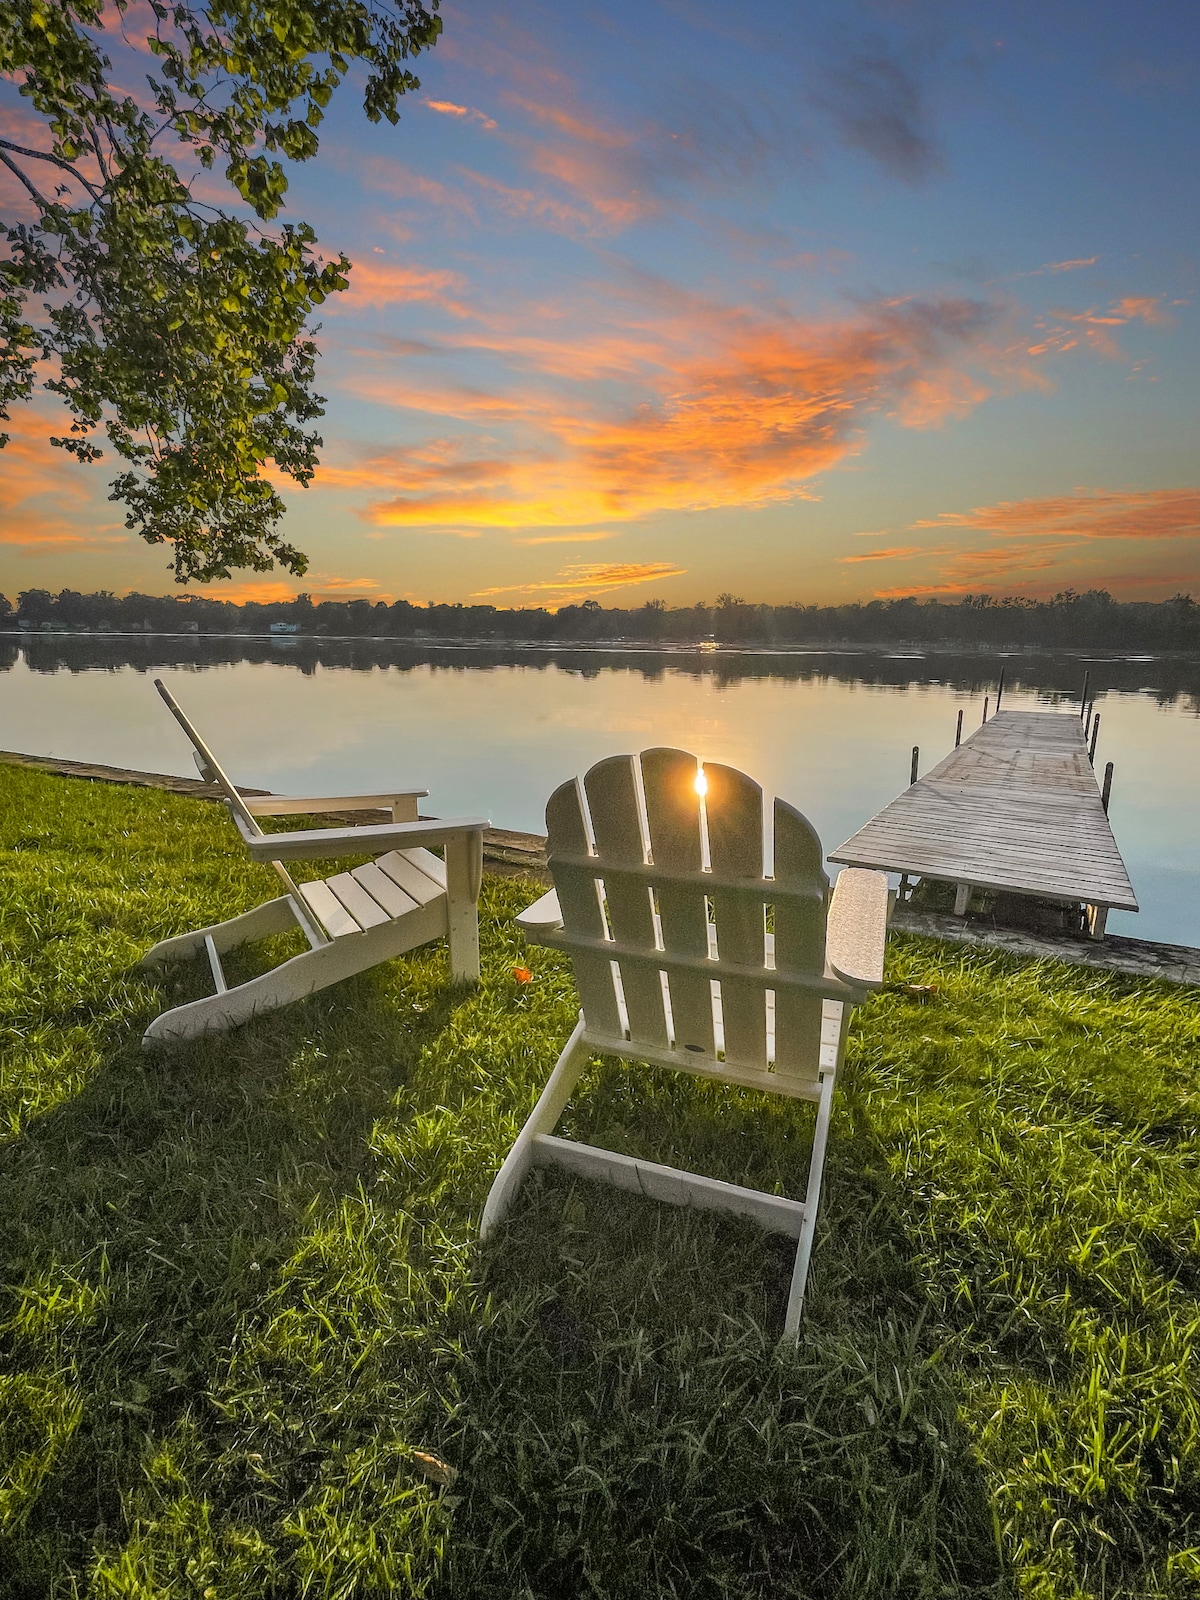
(1095, 735)
(1087, 678)
(1107, 790)
(999, 692)
(958, 732)
(985, 706)
(962, 899)
(915, 759)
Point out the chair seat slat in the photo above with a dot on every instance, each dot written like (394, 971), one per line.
(389, 895)
(328, 909)
(403, 871)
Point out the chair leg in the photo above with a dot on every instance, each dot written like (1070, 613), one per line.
(276, 916)
(795, 1305)
(552, 1101)
(464, 874)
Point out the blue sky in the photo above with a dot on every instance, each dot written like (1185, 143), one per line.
(807, 303)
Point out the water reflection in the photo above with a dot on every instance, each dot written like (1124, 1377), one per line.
(1169, 680)
(493, 729)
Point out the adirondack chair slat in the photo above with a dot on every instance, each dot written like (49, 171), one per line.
(734, 813)
(771, 985)
(673, 822)
(799, 940)
(612, 803)
(350, 920)
(579, 902)
(394, 900)
(328, 909)
(760, 978)
(858, 912)
(670, 1185)
(413, 879)
(366, 912)
(425, 861)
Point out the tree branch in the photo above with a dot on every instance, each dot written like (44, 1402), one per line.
(42, 155)
(14, 168)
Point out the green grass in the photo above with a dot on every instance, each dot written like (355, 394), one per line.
(245, 1321)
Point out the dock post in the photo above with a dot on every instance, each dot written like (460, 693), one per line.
(962, 899)
(915, 759)
(999, 692)
(1087, 678)
(1088, 719)
(985, 706)
(1107, 790)
(958, 732)
(1095, 734)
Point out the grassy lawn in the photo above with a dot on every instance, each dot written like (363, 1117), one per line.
(249, 1348)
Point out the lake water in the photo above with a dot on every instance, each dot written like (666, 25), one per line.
(492, 732)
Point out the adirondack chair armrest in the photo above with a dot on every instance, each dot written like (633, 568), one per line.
(856, 932)
(542, 915)
(316, 843)
(277, 805)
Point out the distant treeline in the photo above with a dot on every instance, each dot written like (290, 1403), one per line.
(1093, 619)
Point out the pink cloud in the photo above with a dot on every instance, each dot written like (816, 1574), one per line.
(378, 283)
(447, 108)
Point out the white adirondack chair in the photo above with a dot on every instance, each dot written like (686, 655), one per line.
(352, 921)
(661, 898)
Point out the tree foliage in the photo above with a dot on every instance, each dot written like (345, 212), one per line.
(1094, 620)
(180, 330)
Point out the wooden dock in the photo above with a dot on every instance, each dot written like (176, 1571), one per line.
(1015, 808)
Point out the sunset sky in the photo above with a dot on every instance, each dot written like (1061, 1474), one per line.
(810, 303)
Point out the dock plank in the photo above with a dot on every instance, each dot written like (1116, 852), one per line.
(1016, 807)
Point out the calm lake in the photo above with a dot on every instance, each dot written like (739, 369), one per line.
(491, 732)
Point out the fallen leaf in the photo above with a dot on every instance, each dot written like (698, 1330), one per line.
(434, 1467)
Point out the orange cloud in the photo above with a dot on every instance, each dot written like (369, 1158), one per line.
(922, 591)
(1056, 534)
(1095, 327)
(1148, 307)
(755, 408)
(377, 283)
(896, 553)
(1097, 514)
(273, 591)
(447, 108)
(581, 580)
(1070, 266)
(566, 538)
(258, 591)
(44, 493)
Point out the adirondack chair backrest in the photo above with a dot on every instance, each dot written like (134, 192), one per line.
(663, 859)
(211, 771)
(207, 764)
